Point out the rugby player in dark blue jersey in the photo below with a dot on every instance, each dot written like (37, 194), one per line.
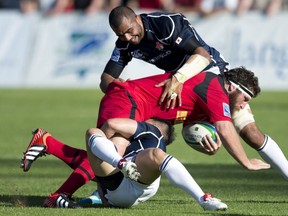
(146, 153)
(166, 40)
(169, 41)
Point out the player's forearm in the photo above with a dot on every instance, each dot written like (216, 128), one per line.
(106, 79)
(231, 142)
(122, 126)
(194, 65)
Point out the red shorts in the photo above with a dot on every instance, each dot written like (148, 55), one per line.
(118, 103)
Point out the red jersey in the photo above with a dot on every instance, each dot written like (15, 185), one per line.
(203, 98)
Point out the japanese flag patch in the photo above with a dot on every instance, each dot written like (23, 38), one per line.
(178, 40)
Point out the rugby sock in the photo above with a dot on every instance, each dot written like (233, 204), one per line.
(104, 149)
(271, 153)
(80, 176)
(71, 156)
(179, 175)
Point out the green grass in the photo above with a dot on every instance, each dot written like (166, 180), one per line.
(68, 113)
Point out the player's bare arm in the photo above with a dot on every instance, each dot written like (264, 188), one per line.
(106, 79)
(231, 142)
(123, 126)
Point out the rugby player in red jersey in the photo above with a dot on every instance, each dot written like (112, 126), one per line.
(207, 96)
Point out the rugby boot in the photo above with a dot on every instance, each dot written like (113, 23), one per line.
(213, 204)
(36, 148)
(60, 201)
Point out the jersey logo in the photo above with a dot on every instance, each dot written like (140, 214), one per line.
(178, 40)
(226, 110)
(180, 117)
(138, 54)
(159, 46)
(115, 55)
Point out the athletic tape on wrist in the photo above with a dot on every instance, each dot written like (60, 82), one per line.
(191, 68)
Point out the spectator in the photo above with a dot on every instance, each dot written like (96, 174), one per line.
(25, 6)
(29, 6)
(10, 4)
(188, 6)
(209, 8)
(87, 6)
(165, 5)
(268, 7)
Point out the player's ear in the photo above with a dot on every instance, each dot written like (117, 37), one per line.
(231, 88)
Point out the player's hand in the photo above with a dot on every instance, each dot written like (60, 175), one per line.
(256, 164)
(172, 92)
(209, 145)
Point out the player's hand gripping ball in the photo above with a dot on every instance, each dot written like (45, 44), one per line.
(194, 133)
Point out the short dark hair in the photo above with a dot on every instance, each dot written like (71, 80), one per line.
(167, 129)
(118, 13)
(243, 77)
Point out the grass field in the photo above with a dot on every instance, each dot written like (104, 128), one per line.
(66, 114)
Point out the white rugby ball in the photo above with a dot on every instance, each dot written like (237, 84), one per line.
(194, 133)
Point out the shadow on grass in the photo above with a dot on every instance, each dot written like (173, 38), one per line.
(30, 201)
(21, 201)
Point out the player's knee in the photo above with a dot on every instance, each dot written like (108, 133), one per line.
(252, 135)
(158, 156)
(92, 131)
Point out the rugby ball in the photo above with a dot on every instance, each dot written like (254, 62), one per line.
(194, 133)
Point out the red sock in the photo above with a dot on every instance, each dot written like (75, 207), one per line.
(76, 159)
(71, 156)
(80, 176)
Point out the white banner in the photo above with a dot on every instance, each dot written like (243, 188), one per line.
(257, 42)
(17, 33)
(72, 50)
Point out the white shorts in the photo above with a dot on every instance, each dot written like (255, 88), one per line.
(130, 193)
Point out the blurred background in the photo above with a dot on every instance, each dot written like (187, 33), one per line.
(50, 44)
(66, 43)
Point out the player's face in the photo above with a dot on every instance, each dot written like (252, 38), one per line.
(130, 30)
(238, 100)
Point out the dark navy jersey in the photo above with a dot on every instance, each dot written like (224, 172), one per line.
(146, 136)
(168, 42)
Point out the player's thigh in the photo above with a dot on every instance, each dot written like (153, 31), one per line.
(121, 143)
(99, 167)
(148, 162)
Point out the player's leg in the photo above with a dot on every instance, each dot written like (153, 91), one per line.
(267, 148)
(103, 148)
(79, 177)
(152, 162)
(95, 137)
(43, 143)
(102, 169)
